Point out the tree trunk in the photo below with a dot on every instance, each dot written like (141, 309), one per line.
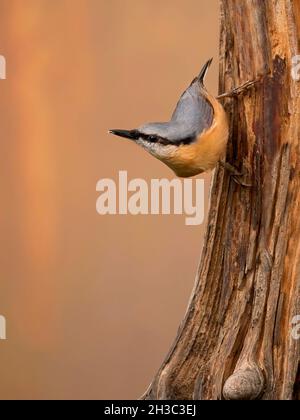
(236, 340)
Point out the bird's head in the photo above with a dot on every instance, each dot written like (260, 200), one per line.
(156, 138)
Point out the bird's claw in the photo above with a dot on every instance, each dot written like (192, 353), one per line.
(241, 89)
(235, 174)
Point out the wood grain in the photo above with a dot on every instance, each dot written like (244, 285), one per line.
(236, 339)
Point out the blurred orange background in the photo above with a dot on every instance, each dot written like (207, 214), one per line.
(92, 302)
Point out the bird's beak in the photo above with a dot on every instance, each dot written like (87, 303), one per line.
(127, 134)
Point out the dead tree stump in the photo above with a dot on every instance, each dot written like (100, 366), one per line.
(236, 340)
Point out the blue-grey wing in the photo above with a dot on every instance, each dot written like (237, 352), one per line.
(193, 114)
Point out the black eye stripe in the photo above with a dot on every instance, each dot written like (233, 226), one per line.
(186, 141)
(165, 142)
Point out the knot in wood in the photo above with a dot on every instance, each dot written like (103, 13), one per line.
(244, 384)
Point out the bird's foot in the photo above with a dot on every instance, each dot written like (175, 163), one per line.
(235, 174)
(240, 90)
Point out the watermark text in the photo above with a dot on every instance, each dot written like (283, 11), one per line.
(2, 327)
(2, 67)
(296, 68)
(296, 327)
(160, 196)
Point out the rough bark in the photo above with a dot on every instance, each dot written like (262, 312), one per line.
(236, 339)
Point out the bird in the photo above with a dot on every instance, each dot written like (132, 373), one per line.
(195, 139)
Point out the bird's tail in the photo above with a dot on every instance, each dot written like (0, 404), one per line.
(203, 71)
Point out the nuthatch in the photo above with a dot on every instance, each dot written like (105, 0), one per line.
(195, 138)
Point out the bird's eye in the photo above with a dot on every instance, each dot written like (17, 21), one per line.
(152, 138)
